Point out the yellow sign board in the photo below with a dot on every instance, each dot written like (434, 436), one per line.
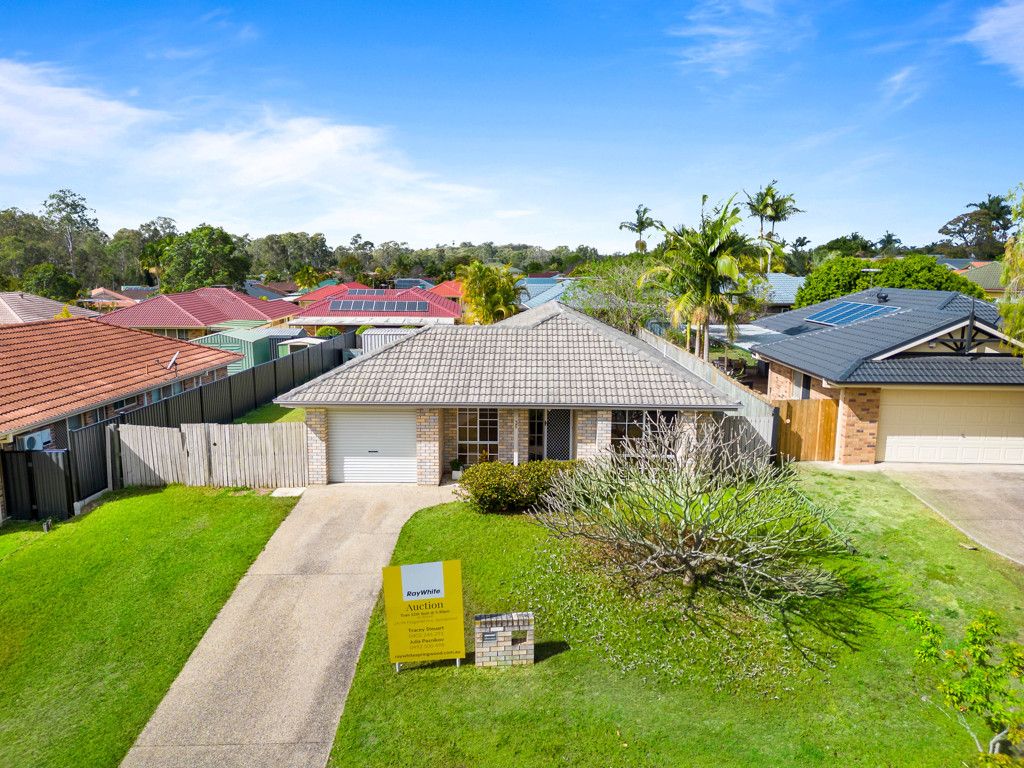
(423, 609)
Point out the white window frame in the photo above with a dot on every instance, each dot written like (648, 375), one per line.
(470, 447)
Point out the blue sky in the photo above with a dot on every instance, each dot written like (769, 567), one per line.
(528, 122)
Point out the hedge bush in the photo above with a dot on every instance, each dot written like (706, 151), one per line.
(327, 332)
(495, 487)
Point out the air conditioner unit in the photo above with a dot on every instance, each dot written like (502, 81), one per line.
(36, 441)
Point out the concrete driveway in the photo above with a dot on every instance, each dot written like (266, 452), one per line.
(267, 683)
(986, 502)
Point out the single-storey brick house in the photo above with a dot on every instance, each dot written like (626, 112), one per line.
(919, 376)
(548, 383)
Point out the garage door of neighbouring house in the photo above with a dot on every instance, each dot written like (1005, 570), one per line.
(377, 446)
(951, 426)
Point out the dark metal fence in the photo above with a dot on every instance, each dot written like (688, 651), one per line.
(47, 483)
(37, 484)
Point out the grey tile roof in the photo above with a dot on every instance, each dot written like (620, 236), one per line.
(843, 353)
(781, 288)
(21, 307)
(549, 356)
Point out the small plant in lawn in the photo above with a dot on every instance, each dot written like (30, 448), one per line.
(496, 487)
(982, 681)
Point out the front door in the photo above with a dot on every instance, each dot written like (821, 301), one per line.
(550, 434)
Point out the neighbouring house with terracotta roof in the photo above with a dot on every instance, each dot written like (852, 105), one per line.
(327, 291)
(107, 299)
(356, 307)
(57, 375)
(449, 289)
(21, 307)
(200, 312)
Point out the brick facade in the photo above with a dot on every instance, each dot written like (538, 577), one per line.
(316, 445)
(593, 432)
(781, 385)
(428, 446)
(857, 428)
(508, 450)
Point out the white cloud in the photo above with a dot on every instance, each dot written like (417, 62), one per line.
(45, 121)
(999, 32)
(903, 87)
(255, 174)
(727, 36)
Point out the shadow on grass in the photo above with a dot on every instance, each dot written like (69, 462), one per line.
(817, 628)
(541, 653)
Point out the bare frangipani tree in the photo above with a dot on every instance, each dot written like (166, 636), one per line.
(684, 504)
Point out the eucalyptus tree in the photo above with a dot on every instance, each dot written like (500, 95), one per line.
(72, 219)
(707, 272)
(640, 224)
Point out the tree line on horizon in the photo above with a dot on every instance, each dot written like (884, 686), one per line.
(61, 251)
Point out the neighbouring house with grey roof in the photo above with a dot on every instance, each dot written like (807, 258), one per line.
(548, 383)
(989, 277)
(778, 292)
(21, 307)
(918, 376)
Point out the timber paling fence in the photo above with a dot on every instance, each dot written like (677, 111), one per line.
(219, 455)
(41, 484)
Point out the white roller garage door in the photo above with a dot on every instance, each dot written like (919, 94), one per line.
(951, 426)
(372, 446)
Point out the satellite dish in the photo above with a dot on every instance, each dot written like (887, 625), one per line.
(174, 361)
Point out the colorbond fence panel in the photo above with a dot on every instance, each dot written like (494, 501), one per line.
(186, 408)
(264, 383)
(88, 449)
(243, 393)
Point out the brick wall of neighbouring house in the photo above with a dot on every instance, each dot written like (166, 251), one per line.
(857, 427)
(593, 431)
(428, 446)
(316, 445)
(780, 385)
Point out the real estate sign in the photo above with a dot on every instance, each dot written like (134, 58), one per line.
(423, 608)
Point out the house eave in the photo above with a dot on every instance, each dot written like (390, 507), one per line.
(591, 406)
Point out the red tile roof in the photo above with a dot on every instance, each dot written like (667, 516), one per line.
(325, 291)
(451, 289)
(437, 306)
(53, 369)
(201, 308)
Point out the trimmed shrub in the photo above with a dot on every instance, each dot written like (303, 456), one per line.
(362, 328)
(327, 332)
(495, 487)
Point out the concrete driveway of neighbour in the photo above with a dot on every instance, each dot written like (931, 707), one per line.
(267, 683)
(986, 502)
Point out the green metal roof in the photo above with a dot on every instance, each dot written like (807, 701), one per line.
(989, 276)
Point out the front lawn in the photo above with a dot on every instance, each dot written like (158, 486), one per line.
(98, 616)
(577, 706)
(271, 414)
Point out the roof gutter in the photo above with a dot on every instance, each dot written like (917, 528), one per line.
(474, 404)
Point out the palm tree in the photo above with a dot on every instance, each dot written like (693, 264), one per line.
(489, 292)
(998, 211)
(701, 273)
(888, 242)
(641, 224)
(768, 204)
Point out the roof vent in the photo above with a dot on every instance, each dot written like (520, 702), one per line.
(882, 297)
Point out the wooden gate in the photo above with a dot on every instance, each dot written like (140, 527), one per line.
(807, 429)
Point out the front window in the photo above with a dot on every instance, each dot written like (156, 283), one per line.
(478, 435)
(635, 426)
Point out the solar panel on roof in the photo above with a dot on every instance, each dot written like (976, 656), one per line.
(365, 291)
(846, 312)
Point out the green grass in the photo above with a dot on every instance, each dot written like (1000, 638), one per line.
(98, 616)
(271, 413)
(576, 706)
